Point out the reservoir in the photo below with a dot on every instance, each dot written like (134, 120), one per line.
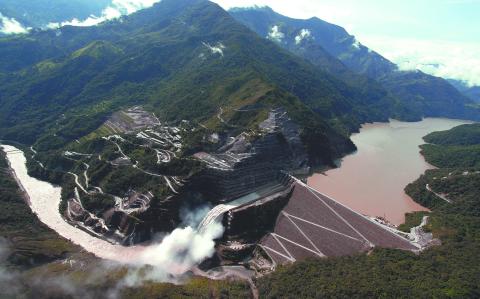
(372, 180)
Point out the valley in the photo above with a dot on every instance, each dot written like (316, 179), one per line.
(177, 149)
(237, 240)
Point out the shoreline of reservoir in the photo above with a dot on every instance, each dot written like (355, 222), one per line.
(372, 179)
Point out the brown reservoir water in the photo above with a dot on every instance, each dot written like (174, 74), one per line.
(372, 180)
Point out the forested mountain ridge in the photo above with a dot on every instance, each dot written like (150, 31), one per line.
(183, 59)
(334, 39)
(472, 92)
(313, 39)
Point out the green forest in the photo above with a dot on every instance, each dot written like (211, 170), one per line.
(198, 69)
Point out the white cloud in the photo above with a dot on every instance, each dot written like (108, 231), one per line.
(303, 34)
(275, 34)
(329, 10)
(8, 279)
(11, 26)
(218, 49)
(356, 44)
(451, 60)
(177, 252)
(113, 11)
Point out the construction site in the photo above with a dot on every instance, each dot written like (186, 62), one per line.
(272, 218)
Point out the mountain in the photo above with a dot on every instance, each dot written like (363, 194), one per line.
(314, 39)
(128, 108)
(334, 39)
(181, 59)
(302, 42)
(472, 92)
(39, 13)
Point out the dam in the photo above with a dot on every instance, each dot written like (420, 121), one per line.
(315, 225)
(304, 224)
(268, 212)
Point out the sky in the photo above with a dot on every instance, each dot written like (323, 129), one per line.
(440, 37)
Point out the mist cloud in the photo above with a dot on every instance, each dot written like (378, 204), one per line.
(8, 285)
(275, 34)
(217, 49)
(176, 253)
(185, 247)
(115, 10)
(11, 26)
(450, 60)
(166, 260)
(303, 34)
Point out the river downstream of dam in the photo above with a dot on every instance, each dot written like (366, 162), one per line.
(372, 180)
(177, 253)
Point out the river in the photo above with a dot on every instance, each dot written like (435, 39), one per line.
(179, 251)
(372, 180)
(44, 200)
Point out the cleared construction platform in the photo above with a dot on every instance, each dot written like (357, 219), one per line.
(314, 225)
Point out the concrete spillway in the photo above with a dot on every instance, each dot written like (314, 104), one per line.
(220, 210)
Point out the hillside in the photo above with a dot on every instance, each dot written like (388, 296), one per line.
(472, 92)
(457, 178)
(460, 136)
(314, 39)
(457, 149)
(293, 36)
(334, 39)
(118, 111)
(172, 57)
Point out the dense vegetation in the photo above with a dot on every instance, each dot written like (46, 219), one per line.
(458, 176)
(461, 135)
(332, 48)
(453, 156)
(472, 92)
(185, 59)
(457, 153)
(62, 85)
(447, 271)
